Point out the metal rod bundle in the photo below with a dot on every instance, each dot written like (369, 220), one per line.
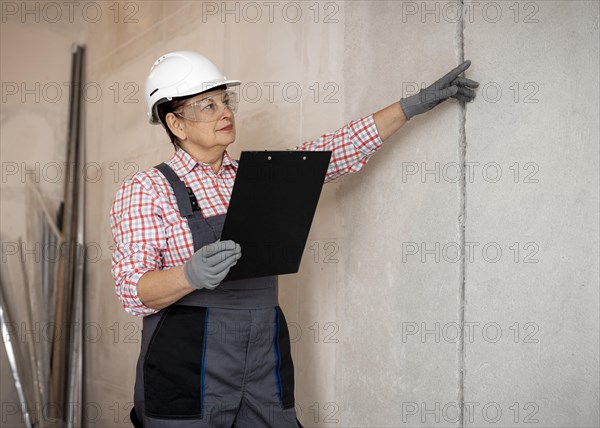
(70, 267)
(49, 382)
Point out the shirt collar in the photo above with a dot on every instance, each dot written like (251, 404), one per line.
(182, 162)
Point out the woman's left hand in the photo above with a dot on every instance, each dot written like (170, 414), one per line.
(449, 86)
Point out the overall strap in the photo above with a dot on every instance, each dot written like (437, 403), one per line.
(186, 202)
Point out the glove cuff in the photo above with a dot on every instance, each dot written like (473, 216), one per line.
(188, 272)
(405, 108)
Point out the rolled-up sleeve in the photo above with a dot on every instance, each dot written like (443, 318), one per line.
(138, 232)
(351, 146)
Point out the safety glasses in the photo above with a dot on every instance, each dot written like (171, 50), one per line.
(209, 109)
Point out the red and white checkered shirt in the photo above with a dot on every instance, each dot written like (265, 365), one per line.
(149, 233)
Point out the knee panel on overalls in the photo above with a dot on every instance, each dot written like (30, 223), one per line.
(174, 364)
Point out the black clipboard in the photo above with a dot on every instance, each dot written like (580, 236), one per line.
(271, 209)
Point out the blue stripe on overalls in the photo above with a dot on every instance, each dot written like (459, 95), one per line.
(276, 348)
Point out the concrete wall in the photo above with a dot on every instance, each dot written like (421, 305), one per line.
(376, 309)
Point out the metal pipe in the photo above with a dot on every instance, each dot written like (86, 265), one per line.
(75, 389)
(13, 355)
(33, 360)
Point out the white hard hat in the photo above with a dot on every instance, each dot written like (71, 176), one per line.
(178, 74)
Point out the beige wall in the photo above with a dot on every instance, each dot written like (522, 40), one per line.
(359, 292)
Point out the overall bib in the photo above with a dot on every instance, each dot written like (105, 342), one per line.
(215, 358)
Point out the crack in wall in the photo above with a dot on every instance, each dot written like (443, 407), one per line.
(462, 198)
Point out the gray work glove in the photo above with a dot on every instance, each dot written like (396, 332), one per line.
(448, 86)
(210, 264)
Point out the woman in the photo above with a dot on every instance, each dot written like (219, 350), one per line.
(216, 353)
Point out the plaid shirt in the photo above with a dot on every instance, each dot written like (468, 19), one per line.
(149, 233)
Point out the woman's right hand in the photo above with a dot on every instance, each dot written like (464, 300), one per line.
(210, 264)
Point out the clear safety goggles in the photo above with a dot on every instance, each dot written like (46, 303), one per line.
(211, 108)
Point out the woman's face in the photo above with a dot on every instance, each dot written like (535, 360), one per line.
(207, 134)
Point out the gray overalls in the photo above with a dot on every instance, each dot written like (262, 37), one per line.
(215, 358)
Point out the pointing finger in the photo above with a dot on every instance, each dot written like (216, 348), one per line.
(452, 74)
